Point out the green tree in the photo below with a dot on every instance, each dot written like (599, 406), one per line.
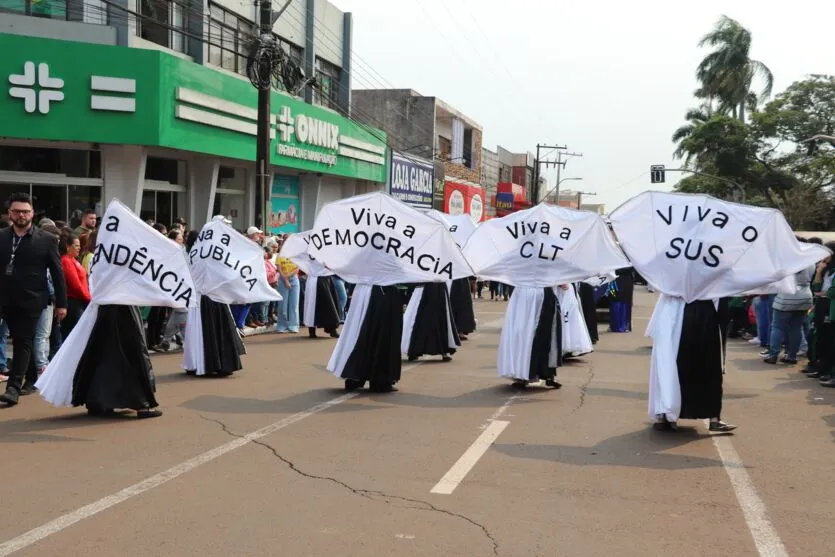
(727, 73)
(695, 117)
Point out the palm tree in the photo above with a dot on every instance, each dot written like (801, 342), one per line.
(695, 117)
(728, 73)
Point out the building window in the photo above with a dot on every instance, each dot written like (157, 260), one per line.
(50, 9)
(229, 39)
(95, 12)
(162, 22)
(467, 156)
(327, 83)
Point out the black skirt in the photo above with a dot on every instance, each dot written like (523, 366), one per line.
(222, 345)
(700, 359)
(376, 355)
(548, 336)
(462, 306)
(586, 292)
(431, 333)
(115, 369)
(327, 316)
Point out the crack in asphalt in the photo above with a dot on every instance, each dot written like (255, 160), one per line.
(372, 495)
(583, 389)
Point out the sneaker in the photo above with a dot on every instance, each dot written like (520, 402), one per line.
(721, 427)
(829, 383)
(765, 352)
(754, 340)
(801, 353)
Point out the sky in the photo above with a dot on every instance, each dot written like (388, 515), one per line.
(608, 79)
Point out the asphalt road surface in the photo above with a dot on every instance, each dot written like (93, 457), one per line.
(279, 461)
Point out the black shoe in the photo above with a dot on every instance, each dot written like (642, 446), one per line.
(552, 383)
(148, 413)
(519, 384)
(771, 360)
(28, 390)
(828, 383)
(353, 384)
(823, 377)
(334, 335)
(813, 374)
(10, 398)
(382, 388)
(721, 427)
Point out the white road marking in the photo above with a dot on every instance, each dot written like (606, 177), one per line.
(61, 523)
(490, 432)
(765, 536)
(460, 469)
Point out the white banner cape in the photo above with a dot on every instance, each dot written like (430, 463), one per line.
(134, 265)
(295, 249)
(543, 246)
(375, 239)
(698, 247)
(460, 226)
(228, 267)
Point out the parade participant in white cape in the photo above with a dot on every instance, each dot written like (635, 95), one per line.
(533, 250)
(428, 325)
(319, 291)
(461, 300)
(698, 251)
(104, 363)
(576, 340)
(376, 242)
(228, 268)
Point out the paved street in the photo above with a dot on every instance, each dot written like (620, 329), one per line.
(278, 460)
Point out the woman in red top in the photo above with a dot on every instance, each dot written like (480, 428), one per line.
(78, 293)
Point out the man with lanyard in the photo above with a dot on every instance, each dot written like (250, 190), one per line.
(26, 254)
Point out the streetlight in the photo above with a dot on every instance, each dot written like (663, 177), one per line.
(557, 188)
(819, 136)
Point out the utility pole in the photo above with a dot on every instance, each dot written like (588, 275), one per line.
(537, 162)
(580, 195)
(262, 150)
(560, 164)
(267, 62)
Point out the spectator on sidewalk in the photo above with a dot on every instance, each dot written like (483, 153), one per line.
(78, 293)
(26, 253)
(789, 312)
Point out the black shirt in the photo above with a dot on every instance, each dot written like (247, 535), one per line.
(35, 253)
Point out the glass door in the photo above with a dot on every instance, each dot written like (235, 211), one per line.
(6, 190)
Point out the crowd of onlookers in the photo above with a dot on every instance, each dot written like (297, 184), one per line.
(787, 327)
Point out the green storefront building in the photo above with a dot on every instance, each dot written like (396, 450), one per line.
(82, 123)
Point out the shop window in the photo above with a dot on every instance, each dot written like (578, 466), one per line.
(159, 206)
(229, 39)
(467, 157)
(327, 83)
(6, 191)
(50, 9)
(231, 178)
(171, 171)
(161, 22)
(50, 201)
(81, 198)
(74, 163)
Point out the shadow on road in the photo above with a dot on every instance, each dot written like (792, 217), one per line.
(638, 449)
(30, 431)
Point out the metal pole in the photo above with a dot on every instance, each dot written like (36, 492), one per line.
(262, 151)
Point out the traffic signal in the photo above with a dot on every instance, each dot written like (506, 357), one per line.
(656, 174)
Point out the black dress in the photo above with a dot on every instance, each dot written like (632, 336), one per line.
(547, 338)
(700, 359)
(222, 344)
(586, 292)
(462, 306)
(115, 369)
(376, 355)
(326, 314)
(431, 331)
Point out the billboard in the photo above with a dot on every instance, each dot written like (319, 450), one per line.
(284, 205)
(412, 180)
(462, 199)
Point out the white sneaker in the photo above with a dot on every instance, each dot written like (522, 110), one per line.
(754, 340)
